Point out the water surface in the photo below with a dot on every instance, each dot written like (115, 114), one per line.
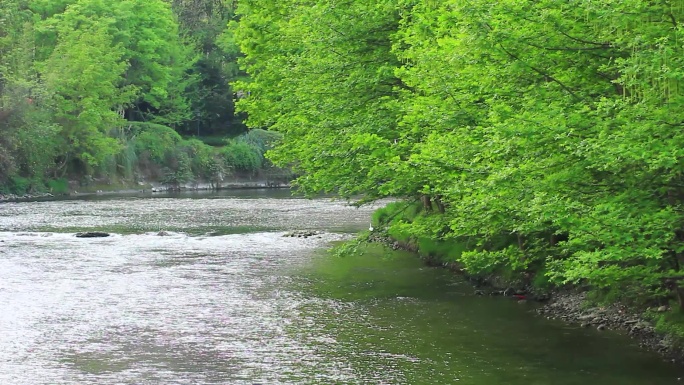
(226, 299)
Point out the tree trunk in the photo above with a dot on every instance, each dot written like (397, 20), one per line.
(427, 203)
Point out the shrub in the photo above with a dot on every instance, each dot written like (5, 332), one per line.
(156, 140)
(212, 141)
(241, 156)
(201, 156)
(19, 185)
(178, 169)
(260, 140)
(127, 158)
(58, 186)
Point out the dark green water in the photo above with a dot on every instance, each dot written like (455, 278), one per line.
(226, 299)
(431, 329)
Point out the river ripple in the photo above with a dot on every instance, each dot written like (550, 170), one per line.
(226, 299)
(141, 308)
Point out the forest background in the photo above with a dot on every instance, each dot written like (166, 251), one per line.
(107, 94)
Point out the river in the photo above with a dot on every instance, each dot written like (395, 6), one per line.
(226, 299)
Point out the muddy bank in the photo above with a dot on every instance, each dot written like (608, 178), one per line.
(572, 307)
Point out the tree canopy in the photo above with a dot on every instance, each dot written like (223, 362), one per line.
(546, 135)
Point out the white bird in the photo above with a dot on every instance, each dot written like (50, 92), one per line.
(370, 228)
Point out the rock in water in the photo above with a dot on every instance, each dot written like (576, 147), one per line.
(92, 234)
(302, 233)
(163, 233)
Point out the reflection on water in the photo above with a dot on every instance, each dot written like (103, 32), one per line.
(225, 299)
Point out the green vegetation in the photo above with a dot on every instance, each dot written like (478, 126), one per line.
(114, 91)
(541, 138)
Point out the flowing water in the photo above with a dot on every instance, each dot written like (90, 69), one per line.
(226, 299)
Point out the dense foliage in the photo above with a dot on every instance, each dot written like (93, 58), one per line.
(86, 86)
(547, 136)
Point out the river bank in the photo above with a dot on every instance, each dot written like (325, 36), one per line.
(115, 189)
(572, 306)
(655, 328)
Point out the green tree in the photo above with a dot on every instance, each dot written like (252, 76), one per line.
(327, 85)
(85, 71)
(147, 33)
(544, 133)
(106, 62)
